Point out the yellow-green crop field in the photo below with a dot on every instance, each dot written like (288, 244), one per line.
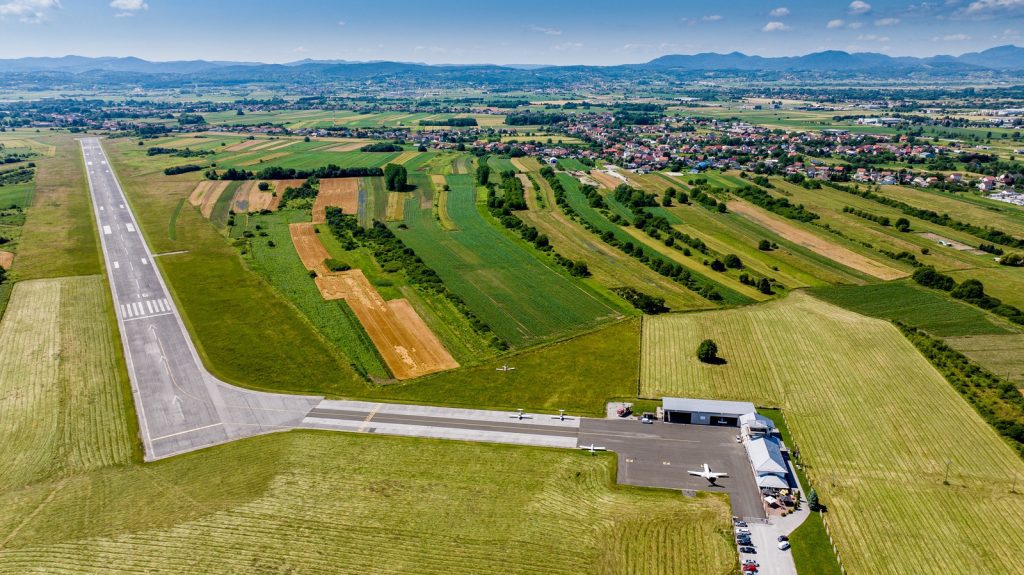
(874, 422)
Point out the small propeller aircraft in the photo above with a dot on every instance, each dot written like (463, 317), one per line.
(561, 416)
(520, 415)
(506, 368)
(706, 473)
(593, 449)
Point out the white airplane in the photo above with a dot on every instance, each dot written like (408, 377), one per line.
(520, 415)
(593, 449)
(561, 416)
(506, 368)
(706, 473)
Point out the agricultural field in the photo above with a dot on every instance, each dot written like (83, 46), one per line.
(522, 298)
(725, 287)
(830, 369)
(930, 310)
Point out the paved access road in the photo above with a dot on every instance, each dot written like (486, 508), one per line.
(181, 407)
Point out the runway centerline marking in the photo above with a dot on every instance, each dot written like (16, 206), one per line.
(369, 416)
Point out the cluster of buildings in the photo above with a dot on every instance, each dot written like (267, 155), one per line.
(766, 452)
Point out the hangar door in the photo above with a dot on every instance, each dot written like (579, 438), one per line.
(725, 421)
(678, 416)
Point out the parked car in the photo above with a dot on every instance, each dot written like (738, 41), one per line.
(743, 541)
(739, 522)
(748, 549)
(624, 411)
(750, 562)
(783, 545)
(747, 568)
(743, 530)
(783, 538)
(648, 418)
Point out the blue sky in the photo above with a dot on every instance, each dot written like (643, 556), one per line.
(518, 32)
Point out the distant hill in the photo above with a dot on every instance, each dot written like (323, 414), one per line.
(1007, 61)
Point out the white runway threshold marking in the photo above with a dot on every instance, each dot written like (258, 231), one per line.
(130, 227)
(107, 230)
(116, 265)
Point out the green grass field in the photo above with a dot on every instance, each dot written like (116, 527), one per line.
(871, 418)
(929, 310)
(73, 485)
(58, 238)
(523, 299)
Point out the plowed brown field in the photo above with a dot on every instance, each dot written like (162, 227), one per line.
(406, 343)
(6, 259)
(339, 192)
(311, 251)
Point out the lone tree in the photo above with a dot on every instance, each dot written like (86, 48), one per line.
(707, 351)
(812, 500)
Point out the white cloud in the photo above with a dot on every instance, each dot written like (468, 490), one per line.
(546, 30)
(301, 49)
(951, 38)
(568, 46)
(32, 11)
(342, 22)
(859, 7)
(712, 18)
(872, 38)
(775, 27)
(779, 12)
(887, 21)
(128, 7)
(992, 8)
(837, 23)
(855, 25)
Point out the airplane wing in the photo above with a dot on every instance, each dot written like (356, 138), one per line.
(696, 473)
(720, 474)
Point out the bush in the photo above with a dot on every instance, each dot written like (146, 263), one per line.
(764, 246)
(707, 351)
(336, 265)
(732, 261)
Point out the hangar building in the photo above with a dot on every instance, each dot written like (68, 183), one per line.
(705, 411)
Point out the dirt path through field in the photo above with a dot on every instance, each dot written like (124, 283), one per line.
(606, 180)
(817, 245)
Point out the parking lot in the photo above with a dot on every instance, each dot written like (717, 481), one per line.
(660, 454)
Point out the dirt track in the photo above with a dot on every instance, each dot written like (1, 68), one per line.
(339, 192)
(816, 244)
(406, 343)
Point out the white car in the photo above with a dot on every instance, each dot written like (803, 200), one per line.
(742, 531)
(783, 545)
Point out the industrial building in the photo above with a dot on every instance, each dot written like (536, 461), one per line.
(705, 411)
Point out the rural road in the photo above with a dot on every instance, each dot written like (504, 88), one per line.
(180, 406)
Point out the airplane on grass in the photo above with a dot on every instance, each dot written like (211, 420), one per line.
(706, 473)
(593, 449)
(520, 415)
(506, 368)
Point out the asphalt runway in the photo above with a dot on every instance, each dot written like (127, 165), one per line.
(180, 406)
